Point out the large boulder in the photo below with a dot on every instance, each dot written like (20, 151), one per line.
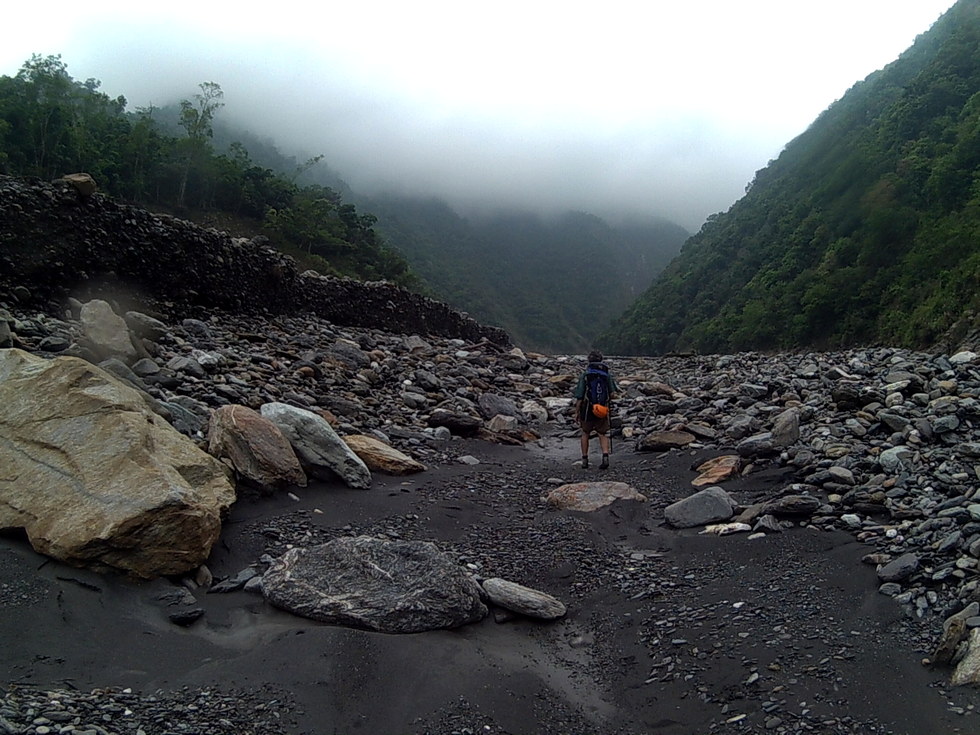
(590, 496)
(365, 582)
(381, 457)
(710, 505)
(319, 448)
(95, 478)
(106, 333)
(255, 447)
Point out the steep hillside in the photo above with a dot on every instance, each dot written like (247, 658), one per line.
(865, 229)
(553, 283)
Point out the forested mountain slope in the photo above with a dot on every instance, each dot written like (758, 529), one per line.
(52, 124)
(554, 283)
(866, 229)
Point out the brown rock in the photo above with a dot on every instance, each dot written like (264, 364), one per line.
(379, 457)
(715, 470)
(255, 447)
(83, 183)
(590, 496)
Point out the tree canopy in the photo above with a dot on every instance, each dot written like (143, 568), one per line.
(51, 125)
(866, 229)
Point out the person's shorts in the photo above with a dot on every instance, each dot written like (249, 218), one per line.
(591, 423)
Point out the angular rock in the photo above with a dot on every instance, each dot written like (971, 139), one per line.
(83, 183)
(106, 333)
(954, 632)
(757, 445)
(715, 470)
(492, 404)
(319, 448)
(502, 424)
(899, 569)
(590, 496)
(786, 428)
(97, 479)
(662, 441)
(710, 505)
(535, 412)
(895, 459)
(523, 600)
(380, 457)
(791, 505)
(458, 423)
(145, 327)
(364, 582)
(255, 447)
(968, 669)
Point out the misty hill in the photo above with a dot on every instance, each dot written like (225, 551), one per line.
(553, 282)
(51, 125)
(866, 229)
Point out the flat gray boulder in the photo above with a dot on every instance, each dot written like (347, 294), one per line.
(365, 582)
(710, 505)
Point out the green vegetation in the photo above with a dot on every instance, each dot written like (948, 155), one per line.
(52, 125)
(866, 229)
(552, 283)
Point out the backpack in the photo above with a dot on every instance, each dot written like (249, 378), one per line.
(597, 389)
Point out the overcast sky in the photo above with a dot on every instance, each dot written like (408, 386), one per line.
(661, 108)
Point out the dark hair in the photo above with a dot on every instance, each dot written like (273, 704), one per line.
(595, 356)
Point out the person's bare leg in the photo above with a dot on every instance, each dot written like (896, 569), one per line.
(605, 445)
(585, 449)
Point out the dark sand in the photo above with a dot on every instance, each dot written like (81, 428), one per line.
(667, 631)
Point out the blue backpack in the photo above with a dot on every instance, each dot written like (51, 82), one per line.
(597, 385)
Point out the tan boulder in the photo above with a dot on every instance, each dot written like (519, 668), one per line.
(715, 470)
(255, 447)
(590, 496)
(106, 333)
(83, 183)
(95, 478)
(380, 457)
(662, 441)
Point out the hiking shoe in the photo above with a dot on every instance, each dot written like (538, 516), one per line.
(605, 462)
(585, 463)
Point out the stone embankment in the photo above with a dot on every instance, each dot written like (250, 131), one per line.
(59, 239)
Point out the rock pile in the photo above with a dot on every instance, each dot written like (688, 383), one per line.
(56, 241)
(884, 443)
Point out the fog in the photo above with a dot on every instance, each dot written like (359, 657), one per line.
(616, 108)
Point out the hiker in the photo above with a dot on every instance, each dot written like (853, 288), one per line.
(594, 392)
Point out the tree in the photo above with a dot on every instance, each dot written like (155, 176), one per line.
(197, 120)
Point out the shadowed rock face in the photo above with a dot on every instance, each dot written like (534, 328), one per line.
(95, 478)
(364, 582)
(56, 243)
